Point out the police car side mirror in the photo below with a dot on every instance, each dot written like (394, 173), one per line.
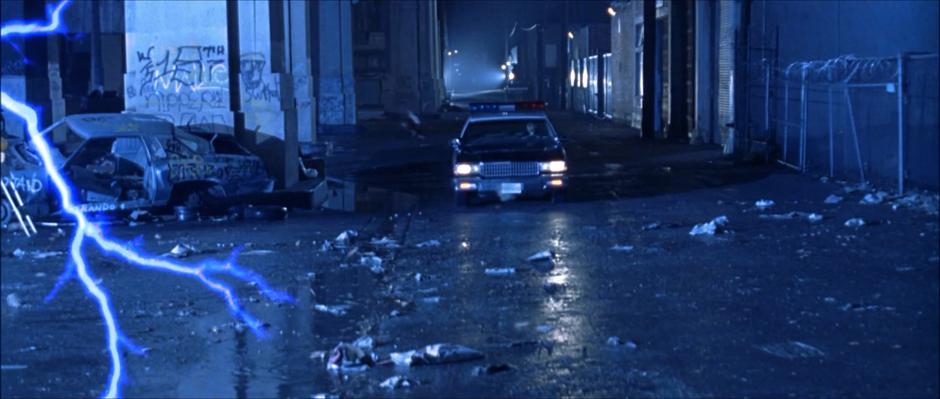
(455, 143)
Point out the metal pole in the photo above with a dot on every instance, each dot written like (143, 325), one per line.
(831, 161)
(766, 97)
(900, 124)
(803, 124)
(786, 114)
(858, 153)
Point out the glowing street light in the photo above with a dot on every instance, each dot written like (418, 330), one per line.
(611, 11)
(570, 35)
(511, 76)
(450, 53)
(503, 67)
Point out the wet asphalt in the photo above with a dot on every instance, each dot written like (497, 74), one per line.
(764, 308)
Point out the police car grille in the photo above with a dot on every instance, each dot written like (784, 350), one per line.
(508, 169)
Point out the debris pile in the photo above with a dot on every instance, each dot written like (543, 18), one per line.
(435, 354)
(710, 228)
(764, 204)
(354, 357)
(810, 216)
(854, 222)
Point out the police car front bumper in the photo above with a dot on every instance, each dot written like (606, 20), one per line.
(513, 186)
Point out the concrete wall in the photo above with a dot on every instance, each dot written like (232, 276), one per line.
(177, 62)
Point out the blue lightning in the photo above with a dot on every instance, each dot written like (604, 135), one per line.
(77, 266)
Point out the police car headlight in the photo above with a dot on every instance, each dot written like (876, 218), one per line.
(464, 169)
(554, 166)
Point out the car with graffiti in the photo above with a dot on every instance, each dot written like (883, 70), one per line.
(121, 162)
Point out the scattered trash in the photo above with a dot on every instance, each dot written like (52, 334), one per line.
(710, 228)
(872, 199)
(345, 238)
(652, 226)
(13, 367)
(46, 254)
(500, 271)
(616, 341)
(544, 255)
(428, 244)
(858, 307)
(417, 277)
(398, 382)
(258, 252)
(764, 204)
(544, 328)
(833, 199)
(812, 217)
(335, 310)
(491, 369)
(792, 350)
(622, 248)
(182, 251)
(318, 355)
(370, 260)
(925, 202)
(13, 301)
(137, 213)
(854, 222)
(432, 300)
(19, 253)
(385, 242)
(435, 354)
(851, 188)
(350, 358)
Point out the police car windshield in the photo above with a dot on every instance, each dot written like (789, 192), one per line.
(506, 130)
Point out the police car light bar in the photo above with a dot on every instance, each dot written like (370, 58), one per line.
(508, 107)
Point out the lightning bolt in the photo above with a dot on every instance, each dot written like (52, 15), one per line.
(204, 272)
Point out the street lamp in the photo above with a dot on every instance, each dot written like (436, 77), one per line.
(502, 66)
(570, 35)
(511, 75)
(611, 11)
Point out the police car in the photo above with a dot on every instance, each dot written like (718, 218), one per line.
(508, 150)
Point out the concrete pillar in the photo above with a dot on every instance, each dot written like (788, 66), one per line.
(416, 79)
(336, 93)
(177, 61)
(705, 74)
(12, 66)
(649, 69)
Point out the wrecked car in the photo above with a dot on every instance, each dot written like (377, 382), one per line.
(120, 162)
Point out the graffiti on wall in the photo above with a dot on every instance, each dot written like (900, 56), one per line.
(257, 85)
(185, 84)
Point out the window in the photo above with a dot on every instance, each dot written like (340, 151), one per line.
(584, 73)
(498, 131)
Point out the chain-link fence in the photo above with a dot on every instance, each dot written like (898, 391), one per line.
(866, 119)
